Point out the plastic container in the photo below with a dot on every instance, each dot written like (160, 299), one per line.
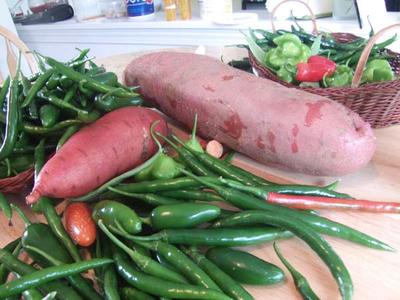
(87, 9)
(210, 9)
(140, 9)
(113, 8)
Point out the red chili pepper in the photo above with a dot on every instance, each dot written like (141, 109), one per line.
(315, 69)
(318, 202)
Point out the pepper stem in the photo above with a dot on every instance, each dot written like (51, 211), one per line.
(45, 255)
(22, 215)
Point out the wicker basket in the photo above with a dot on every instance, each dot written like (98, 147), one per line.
(17, 183)
(377, 103)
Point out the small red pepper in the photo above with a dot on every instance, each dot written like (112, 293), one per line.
(315, 69)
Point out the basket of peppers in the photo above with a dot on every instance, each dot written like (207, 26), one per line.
(48, 107)
(357, 72)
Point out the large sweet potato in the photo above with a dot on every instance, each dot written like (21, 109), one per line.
(115, 143)
(268, 122)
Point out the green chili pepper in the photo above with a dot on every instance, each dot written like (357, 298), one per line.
(4, 91)
(244, 267)
(78, 282)
(377, 70)
(117, 214)
(36, 87)
(183, 215)
(107, 78)
(300, 281)
(110, 103)
(110, 280)
(192, 195)
(188, 158)
(13, 247)
(53, 82)
(318, 223)
(63, 291)
(40, 236)
(43, 276)
(145, 263)
(88, 81)
(5, 207)
(313, 239)
(224, 237)
(159, 287)
(49, 115)
(37, 130)
(343, 76)
(65, 82)
(32, 294)
(12, 118)
(70, 131)
(129, 293)
(151, 199)
(225, 282)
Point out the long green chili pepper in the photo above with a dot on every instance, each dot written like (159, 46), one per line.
(192, 195)
(89, 82)
(318, 223)
(216, 165)
(294, 189)
(145, 263)
(36, 87)
(116, 180)
(5, 207)
(50, 296)
(4, 91)
(224, 281)
(224, 237)
(70, 131)
(32, 294)
(182, 263)
(46, 275)
(78, 282)
(151, 199)
(158, 287)
(37, 130)
(188, 158)
(64, 292)
(14, 248)
(12, 118)
(129, 293)
(300, 281)
(109, 275)
(83, 115)
(314, 240)
(45, 206)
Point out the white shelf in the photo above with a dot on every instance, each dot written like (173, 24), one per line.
(114, 36)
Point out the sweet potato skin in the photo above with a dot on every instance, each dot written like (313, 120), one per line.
(268, 122)
(115, 143)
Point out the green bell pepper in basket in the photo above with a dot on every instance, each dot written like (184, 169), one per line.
(377, 70)
(284, 58)
(342, 77)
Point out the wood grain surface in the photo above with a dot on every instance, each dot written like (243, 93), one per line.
(376, 274)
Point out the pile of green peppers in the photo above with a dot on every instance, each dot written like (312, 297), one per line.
(53, 104)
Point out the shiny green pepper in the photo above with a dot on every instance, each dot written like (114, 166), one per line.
(109, 103)
(289, 52)
(343, 76)
(184, 215)
(41, 236)
(164, 167)
(107, 78)
(119, 215)
(377, 70)
(49, 115)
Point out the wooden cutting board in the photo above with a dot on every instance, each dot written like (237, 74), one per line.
(375, 273)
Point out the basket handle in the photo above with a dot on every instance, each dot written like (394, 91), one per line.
(365, 54)
(314, 22)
